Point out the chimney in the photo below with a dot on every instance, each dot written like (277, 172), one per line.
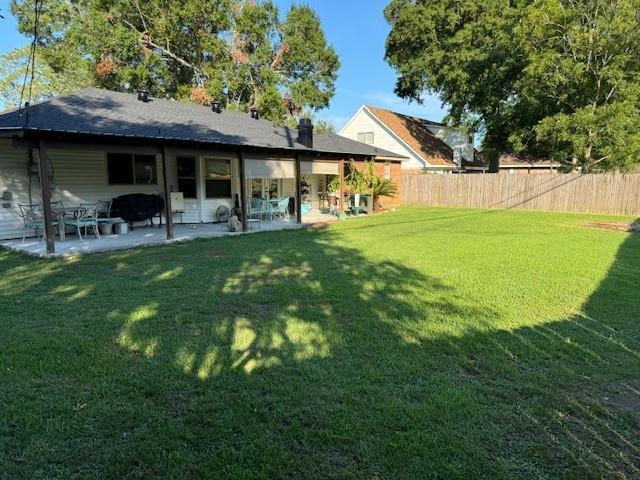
(305, 132)
(255, 113)
(216, 106)
(143, 95)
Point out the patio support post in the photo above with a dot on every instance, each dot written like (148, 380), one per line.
(298, 190)
(167, 196)
(45, 189)
(341, 199)
(243, 191)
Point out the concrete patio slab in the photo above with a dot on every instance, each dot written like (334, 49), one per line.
(149, 236)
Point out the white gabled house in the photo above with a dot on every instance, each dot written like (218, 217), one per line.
(429, 145)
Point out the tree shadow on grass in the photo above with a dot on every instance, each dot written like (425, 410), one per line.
(292, 354)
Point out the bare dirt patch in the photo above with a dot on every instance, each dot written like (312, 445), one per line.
(620, 227)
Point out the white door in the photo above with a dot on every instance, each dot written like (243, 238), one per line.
(188, 175)
(215, 188)
(265, 187)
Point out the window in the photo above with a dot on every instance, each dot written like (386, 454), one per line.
(366, 137)
(144, 167)
(387, 170)
(470, 139)
(265, 188)
(130, 169)
(273, 188)
(217, 178)
(187, 176)
(256, 188)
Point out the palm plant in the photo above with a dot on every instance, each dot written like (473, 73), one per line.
(382, 187)
(366, 181)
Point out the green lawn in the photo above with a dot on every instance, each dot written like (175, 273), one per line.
(421, 343)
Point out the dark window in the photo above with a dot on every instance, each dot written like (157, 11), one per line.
(218, 188)
(119, 169)
(130, 169)
(217, 178)
(187, 176)
(145, 169)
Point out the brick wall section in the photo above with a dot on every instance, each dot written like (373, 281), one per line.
(396, 177)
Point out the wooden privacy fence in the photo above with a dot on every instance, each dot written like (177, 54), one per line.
(602, 193)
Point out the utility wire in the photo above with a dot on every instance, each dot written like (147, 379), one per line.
(31, 61)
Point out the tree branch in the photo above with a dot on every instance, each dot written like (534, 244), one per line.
(146, 40)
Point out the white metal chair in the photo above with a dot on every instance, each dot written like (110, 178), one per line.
(33, 219)
(85, 217)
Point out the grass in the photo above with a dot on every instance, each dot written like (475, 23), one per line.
(422, 343)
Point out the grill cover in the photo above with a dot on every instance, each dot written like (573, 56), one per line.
(136, 207)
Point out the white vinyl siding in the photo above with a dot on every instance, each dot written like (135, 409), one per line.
(458, 141)
(365, 122)
(77, 177)
(81, 177)
(15, 181)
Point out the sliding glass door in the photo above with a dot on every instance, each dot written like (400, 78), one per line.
(267, 188)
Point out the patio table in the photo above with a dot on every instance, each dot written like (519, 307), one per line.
(60, 213)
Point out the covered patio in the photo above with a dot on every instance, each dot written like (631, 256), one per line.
(187, 165)
(150, 236)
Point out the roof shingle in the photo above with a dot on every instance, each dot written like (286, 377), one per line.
(414, 132)
(95, 111)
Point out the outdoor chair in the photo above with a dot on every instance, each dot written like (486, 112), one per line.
(85, 217)
(32, 219)
(256, 208)
(280, 209)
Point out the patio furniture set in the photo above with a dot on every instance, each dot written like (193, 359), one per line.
(273, 209)
(86, 216)
(99, 217)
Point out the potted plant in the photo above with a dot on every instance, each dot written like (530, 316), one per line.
(375, 185)
(356, 182)
(333, 189)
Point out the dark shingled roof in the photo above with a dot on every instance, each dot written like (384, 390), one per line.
(526, 161)
(94, 111)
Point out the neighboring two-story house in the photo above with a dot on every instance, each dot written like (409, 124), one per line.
(429, 145)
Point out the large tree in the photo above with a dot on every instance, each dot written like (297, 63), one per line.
(238, 51)
(47, 81)
(558, 78)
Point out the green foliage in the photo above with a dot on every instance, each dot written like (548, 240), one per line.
(544, 77)
(324, 126)
(334, 184)
(366, 181)
(49, 79)
(236, 51)
(355, 180)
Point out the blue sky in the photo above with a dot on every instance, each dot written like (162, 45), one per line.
(356, 29)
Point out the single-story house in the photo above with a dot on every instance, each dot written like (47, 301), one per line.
(429, 145)
(477, 164)
(97, 144)
(515, 164)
